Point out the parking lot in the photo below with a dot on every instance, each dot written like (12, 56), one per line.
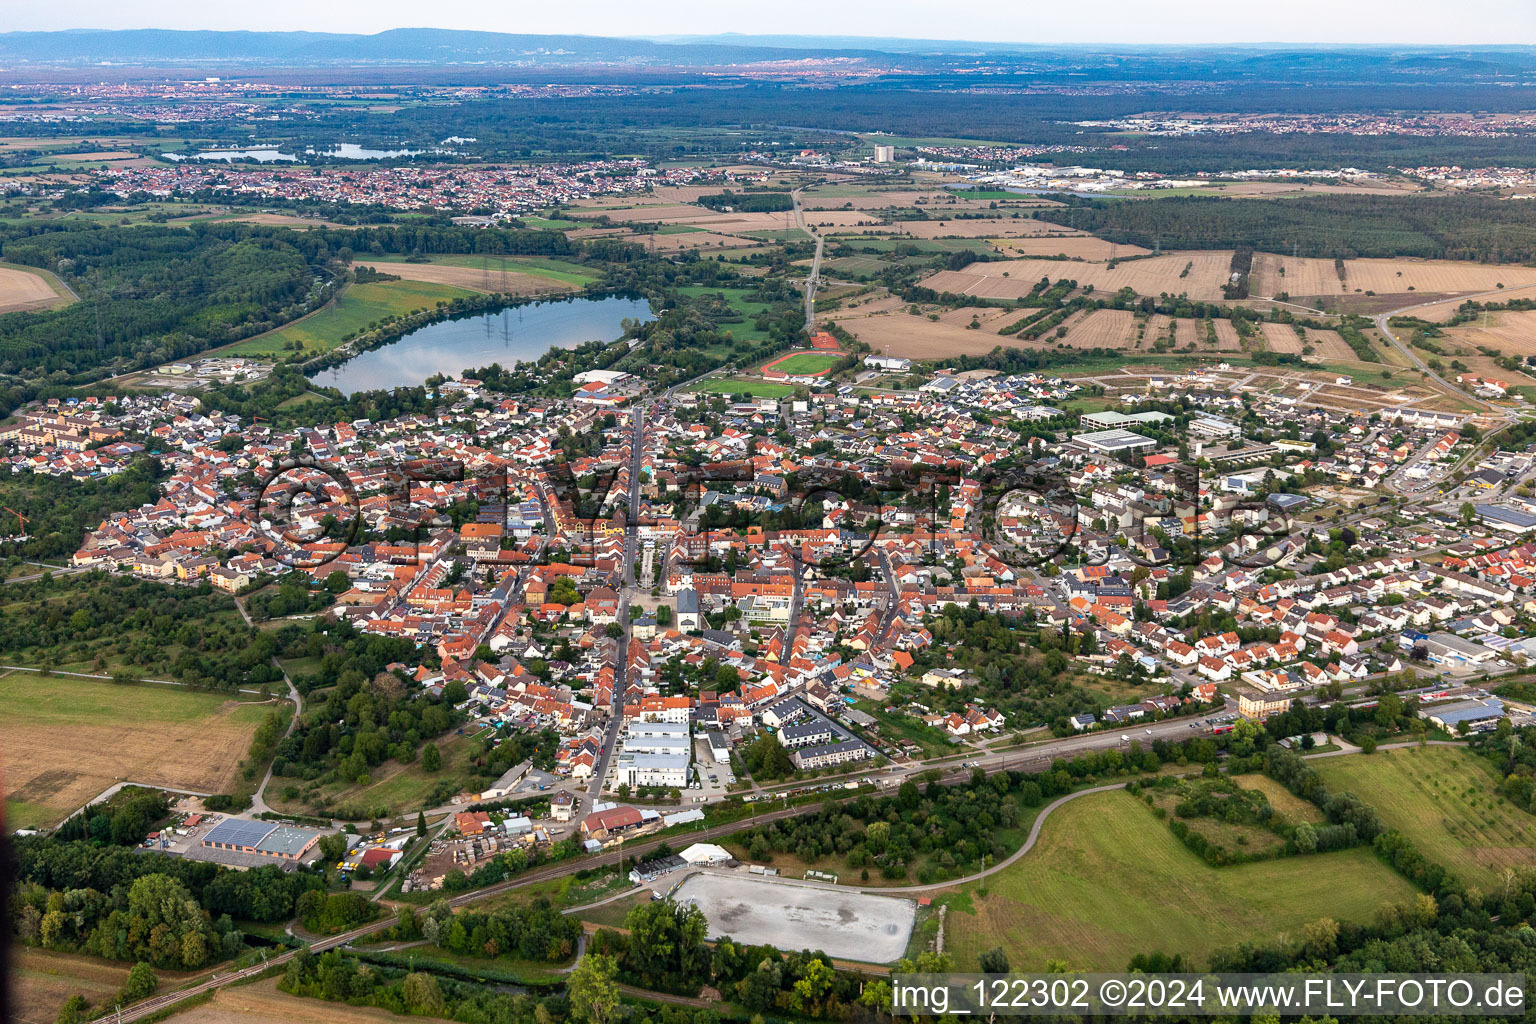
(789, 915)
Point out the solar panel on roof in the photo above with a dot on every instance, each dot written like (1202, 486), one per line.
(239, 832)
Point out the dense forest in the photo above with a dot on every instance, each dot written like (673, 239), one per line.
(1463, 227)
(149, 294)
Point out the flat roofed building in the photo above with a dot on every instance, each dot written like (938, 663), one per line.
(1114, 440)
(263, 838)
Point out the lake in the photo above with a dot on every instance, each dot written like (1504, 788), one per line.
(516, 334)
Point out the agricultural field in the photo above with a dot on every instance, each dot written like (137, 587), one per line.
(146, 733)
(1445, 800)
(1013, 279)
(359, 306)
(27, 288)
(41, 982)
(1326, 346)
(1072, 246)
(974, 227)
(1108, 880)
(262, 1003)
(1307, 277)
(1511, 333)
(549, 271)
(916, 337)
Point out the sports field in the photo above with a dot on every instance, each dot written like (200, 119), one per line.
(359, 306)
(804, 364)
(63, 741)
(755, 388)
(1444, 800)
(1108, 880)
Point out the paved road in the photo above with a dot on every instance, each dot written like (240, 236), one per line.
(814, 277)
(258, 801)
(1407, 350)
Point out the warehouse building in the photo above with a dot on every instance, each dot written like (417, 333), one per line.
(261, 838)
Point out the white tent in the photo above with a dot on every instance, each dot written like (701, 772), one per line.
(705, 853)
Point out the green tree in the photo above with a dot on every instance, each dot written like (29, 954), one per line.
(140, 983)
(422, 995)
(421, 823)
(593, 993)
(74, 1010)
(431, 758)
(993, 961)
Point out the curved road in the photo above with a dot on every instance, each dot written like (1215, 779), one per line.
(1407, 350)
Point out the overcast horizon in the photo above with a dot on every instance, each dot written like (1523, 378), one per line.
(1118, 22)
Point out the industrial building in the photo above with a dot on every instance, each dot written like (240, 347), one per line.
(261, 838)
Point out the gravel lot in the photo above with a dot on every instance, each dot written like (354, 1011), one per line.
(846, 925)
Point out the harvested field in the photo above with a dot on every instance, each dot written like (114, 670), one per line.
(276, 219)
(991, 227)
(844, 924)
(1439, 312)
(1306, 277)
(875, 199)
(42, 981)
(1511, 333)
(1083, 247)
(1101, 328)
(1327, 346)
(879, 303)
(1484, 366)
(917, 337)
(1226, 336)
(26, 289)
(474, 278)
(1207, 274)
(262, 1003)
(990, 317)
(153, 734)
(695, 240)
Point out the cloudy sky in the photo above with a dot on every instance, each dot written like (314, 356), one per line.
(1101, 21)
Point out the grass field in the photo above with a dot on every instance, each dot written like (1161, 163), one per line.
(470, 271)
(41, 981)
(262, 1003)
(1292, 809)
(392, 787)
(145, 733)
(807, 363)
(755, 388)
(359, 306)
(1108, 880)
(1444, 800)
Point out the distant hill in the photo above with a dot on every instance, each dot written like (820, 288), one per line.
(417, 46)
(430, 47)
